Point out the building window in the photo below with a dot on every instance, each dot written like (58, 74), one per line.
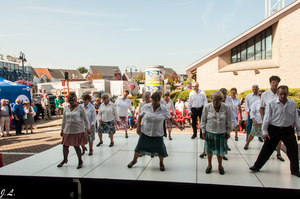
(255, 48)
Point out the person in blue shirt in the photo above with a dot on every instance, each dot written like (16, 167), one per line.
(35, 110)
(18, 113)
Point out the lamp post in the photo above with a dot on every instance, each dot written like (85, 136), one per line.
(130, 68)
(22, 57)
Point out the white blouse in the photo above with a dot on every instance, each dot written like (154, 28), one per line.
(91, 113)
(216, 122)
(26, 110)
(254, 113)
(169, 105)
(153, 121)
(122, 105)
(107, 112)
(74, 121)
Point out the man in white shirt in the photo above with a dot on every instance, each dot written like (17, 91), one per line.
(197, 99)
(250, 99)
(266, 97)
(280, 117)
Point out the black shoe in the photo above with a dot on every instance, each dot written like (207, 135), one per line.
(254, 168)
(221, 171)
(62, 163)
(279, 157)
(99, 143)
(111, 144)
(208, 170)
(296, 174)
(193, 137)
(80, 165)
(202, 155)
(224, 158)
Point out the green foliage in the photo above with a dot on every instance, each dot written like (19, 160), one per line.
(294, 94)
(82, 69)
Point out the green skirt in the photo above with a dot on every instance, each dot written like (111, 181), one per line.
(153, 146)
(215, 144)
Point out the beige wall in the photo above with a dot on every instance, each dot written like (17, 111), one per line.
(286, 54)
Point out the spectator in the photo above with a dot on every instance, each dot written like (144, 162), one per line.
(28, 117)
(46, 106)
(58, 105)
(179, 105)
(18, 113)
(5, 114)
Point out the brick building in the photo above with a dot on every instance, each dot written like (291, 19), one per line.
(271, 47)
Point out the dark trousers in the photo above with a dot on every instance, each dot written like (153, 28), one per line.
(287, 136)
(196, 112)
(18, 125)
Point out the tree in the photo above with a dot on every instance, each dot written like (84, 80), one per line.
(173, 79)
(95, 75)
(117, 76)
(141, 76)
(82, 69)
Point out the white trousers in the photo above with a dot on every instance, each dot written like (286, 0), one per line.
(4, 121)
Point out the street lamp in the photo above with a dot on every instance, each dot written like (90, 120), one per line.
(22, 57)
(130, 70)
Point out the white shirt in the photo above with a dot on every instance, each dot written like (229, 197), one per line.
(266, 97)
(196, 99)
(107, 112)
(250, 99)
(179, 106)
(254, 113)
(153, 121)
(216, 122)
(170, 105)
(229, 102)
(74, 121)
(235, 103)
(91, 113)
(122, 105)
(233, 118)
(280, 115)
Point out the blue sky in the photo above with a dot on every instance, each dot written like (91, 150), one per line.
(172, 33)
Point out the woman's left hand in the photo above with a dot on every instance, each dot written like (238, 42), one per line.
(89, 131)
(227, 136)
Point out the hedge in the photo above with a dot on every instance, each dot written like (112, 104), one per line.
(294, 94)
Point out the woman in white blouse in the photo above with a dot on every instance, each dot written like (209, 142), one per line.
(122, 104)
(216, 128)
(91, 114)
(169, 105)
(106, 114)
(152, 131)
(256, 118)
(73, 129)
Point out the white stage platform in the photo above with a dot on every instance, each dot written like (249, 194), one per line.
(182, 165)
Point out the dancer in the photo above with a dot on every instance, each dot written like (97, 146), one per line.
(152, 131)
(122, 104)
(106, 115)
(91, 114)
(169, 105)
(281, 117)
(197, 99)
(256, 118)
(73, 129)
(216, 128)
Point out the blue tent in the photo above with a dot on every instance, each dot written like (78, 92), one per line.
(11, 91)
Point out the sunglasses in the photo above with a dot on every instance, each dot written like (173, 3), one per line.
(167, 95)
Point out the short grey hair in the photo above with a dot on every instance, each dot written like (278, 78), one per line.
(71, 96)
(255, 86)
(217, 95)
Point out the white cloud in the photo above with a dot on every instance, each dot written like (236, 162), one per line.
(181, 3)
(133, 29)
(74, 12)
